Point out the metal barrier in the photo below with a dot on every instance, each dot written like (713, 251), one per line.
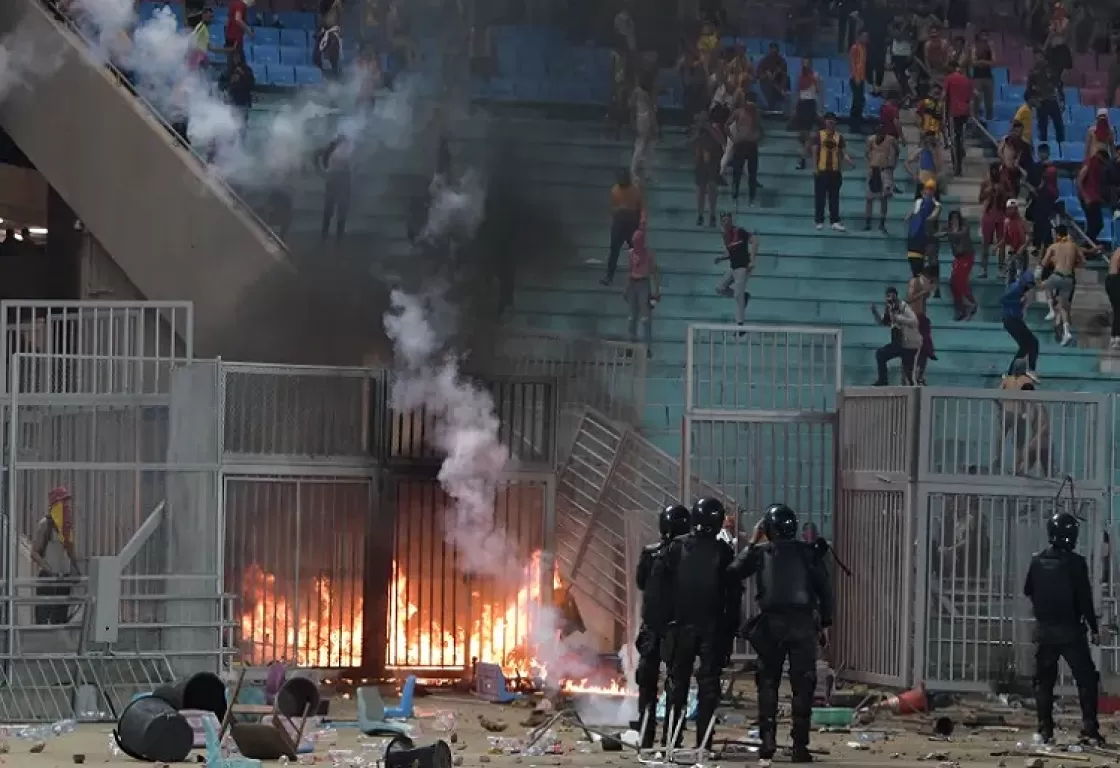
(609, 490)
(609, 376)
(943, 498)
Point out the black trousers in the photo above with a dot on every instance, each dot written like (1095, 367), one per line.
(645, 676)
(53, 613)
(336, 204)
(775, 638)
(876, 64)
(959, 125)
(623, 225)
(744, 152)
(1050, 110)
(901, 67)
(855, 115)
(1077, 655)
(826, 186)
(1094, 219)
(1027, 341)
(681, 647)
(1112, 288)
(894, 351)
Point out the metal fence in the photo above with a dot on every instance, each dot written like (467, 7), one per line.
(944, 495)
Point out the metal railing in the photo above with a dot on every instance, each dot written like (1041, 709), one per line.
(66, 24)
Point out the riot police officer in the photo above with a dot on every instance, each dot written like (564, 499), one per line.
(673, 521)
(1062, 600)
(793, 594)
(704, 602)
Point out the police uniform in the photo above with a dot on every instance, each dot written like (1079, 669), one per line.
(1062, 601)
(672, 522)
(704, 600)
(793, 594)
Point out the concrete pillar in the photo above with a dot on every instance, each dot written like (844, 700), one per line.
(193, 523)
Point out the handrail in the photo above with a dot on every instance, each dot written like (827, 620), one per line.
(1067, 219)
(59, 16)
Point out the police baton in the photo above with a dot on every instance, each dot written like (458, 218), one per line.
(820, 544)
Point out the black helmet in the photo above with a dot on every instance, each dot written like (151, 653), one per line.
(1062, 528)
(674, 521)
(779, 522)
(707, 517)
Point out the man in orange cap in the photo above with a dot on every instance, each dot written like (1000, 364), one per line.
(52, 550)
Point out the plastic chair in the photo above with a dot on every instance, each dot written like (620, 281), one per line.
(307, 75)
(214, 758)
(404, 709)
(296, 56)
(371, 715)
(264, 54)
(490, 684)
(293, 37)
(266, 36)
(281, 74)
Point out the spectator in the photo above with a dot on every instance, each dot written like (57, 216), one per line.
(1013, 242)
(1015, 158)
(239, 82)
(1024, 116)
(905, 341)
(1101, 135)
(1015, 298)
(1112, 288)
(708, 45)
(891, 117)
(924, 165)
(370, 77)
(829, 153)
(804, 21)
(958, 96)
(931, 112)
(902, 56)
(707, 150)
(334, 162)
(936, 54)
(627, 205)
(618, 107)
(723, 97)
(959, 235)
(694, 84)
(877, 28)
(327, 53)
(745, 129)
(882, 154)
(739, 70)
(741, 254)
(1091, 181)
(925, 210)
(1063, 259)
(918, 290)
(1044, 204)
(645, 132)
(809, 95)
(847, 18)
(1044, 93)
(237, 24)
(857, 63)
(643, 289)
(1113, 76)
(1059, 58)
(773, 79)
(993, 197)
(982, 58)
(199, 45)
(958, 54)
(53, 553)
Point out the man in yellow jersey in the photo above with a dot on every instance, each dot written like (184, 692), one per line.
(1024, 115)
(931, 111)
(829, 152)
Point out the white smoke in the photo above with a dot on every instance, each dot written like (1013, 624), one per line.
(21, 61)
(465, 431)
(457, 206)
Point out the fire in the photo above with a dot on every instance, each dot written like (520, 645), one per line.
(322, 629)
(583, 686)
(498, 633)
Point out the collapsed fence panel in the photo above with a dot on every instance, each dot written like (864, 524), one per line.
(464, 589)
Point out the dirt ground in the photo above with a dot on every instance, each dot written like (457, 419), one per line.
(906, 741)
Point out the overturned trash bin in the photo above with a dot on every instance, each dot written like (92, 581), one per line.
(153, 730)
(203, 691)
(298, 697)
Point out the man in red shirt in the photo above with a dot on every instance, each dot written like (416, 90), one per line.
(237, 27)
(958, 98)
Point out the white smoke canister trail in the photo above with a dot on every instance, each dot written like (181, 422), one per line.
(466, 431)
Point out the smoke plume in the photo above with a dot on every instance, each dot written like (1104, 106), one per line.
(21, 61)
(465, 431)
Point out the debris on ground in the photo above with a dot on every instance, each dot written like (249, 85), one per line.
(493, 726)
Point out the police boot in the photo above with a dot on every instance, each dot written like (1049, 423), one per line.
(768, 735)
(800, 754)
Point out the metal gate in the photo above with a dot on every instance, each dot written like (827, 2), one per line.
(760, 416)
(990, 470)
(441, 617)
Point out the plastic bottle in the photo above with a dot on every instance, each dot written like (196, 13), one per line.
(63, 727)
(114, 750)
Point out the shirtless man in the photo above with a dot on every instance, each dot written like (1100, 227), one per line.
(993, 196)
(918, 290)
(1028, 425)
(1064, 257)
(882, 154)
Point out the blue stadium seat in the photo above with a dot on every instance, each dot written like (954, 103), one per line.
(1014, 93)
(297, 20)
(1079, 114)
(264, 54)
(294, 37)
(840, 68)
(834, 86)
(821, 65)
(1073, 151)
(1066, 187)
(999, 128)
(1005, 110)
(296, 56)
(1000, 76)
(1072, 94)
(280, 74)
(218, 34)
(307, 75)
(267, 36)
